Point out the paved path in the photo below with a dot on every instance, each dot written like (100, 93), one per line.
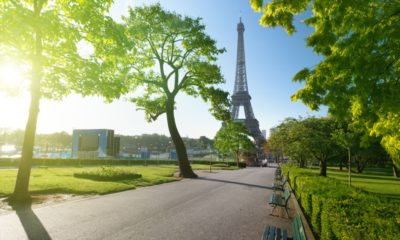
(224, 205)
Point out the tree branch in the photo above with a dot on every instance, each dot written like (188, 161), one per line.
(153, 49)
(176, 88)
(154, 116)
(184, 80)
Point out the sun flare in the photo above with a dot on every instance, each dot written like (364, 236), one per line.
(12, 77)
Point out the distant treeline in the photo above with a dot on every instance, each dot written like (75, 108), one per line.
(47, 162)
(159, 143)
(129, 144)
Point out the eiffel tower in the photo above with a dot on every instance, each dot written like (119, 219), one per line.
(241, 96)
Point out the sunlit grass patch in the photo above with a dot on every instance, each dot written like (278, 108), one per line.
(62, 181)
(378, 181)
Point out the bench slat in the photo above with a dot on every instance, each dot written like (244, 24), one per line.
(271, 235)
(284, 234)
(278, 233)
(298, 229)
(265, 234)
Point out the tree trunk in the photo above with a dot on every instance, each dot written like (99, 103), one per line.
(349, 155)
(322, 168)
(341, 164)
(184, 164)
(396, 172)
(302, 162)
(237, 159)
(21, 190)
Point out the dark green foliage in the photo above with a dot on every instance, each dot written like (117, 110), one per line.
(242, 165)
(305, 139)
(108, 173)
(338, 211)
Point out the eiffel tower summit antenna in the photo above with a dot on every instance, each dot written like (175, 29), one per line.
(241, 96)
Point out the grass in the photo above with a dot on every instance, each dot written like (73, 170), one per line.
(378, 181)
(94, 180)
(62, 180)
(216, 166)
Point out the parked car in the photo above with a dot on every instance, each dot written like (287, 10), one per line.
(264, 163)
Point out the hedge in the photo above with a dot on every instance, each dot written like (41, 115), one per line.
(337, 211)
(108, 174)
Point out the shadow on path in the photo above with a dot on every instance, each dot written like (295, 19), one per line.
(32, 225)
(231, 182)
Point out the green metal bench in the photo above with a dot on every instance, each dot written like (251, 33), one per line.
(278, 175)
(279, 185)
(279, 200)
(276, 233)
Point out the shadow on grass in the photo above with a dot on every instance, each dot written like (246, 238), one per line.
(32, 225)
(60, 191)
(376, 182)
(379, 171)
(389, 196)
(366, 176)
(231, 182)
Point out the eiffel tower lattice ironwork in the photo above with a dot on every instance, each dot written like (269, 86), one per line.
(241, 96)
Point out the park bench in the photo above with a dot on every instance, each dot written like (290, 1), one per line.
(278, 175)
(279, 185)
(276, 233)
(279, 200)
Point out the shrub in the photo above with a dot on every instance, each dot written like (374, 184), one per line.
(337, 211)
(108, 173)
(242, 165)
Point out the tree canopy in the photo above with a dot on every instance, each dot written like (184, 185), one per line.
(324, 139)
(167, 54)
(358, 78)
(45, 37)
(233, 137)
(305, 139)
(287, 138)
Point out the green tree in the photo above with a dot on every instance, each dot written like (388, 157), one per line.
(233, 137)
(287, 139)
(318, 140)
(169, 54)
(205, 142)
(358, 78)
(302, 139)
(44, 36)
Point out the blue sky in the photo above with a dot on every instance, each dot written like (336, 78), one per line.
(272, 58)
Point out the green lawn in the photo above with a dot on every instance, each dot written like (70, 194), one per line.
(61, 179)
(374, 180)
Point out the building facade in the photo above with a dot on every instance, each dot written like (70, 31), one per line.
(94, 143)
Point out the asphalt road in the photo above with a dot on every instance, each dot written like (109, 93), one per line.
(224, 205)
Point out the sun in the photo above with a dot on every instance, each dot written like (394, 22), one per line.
(12, 77)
